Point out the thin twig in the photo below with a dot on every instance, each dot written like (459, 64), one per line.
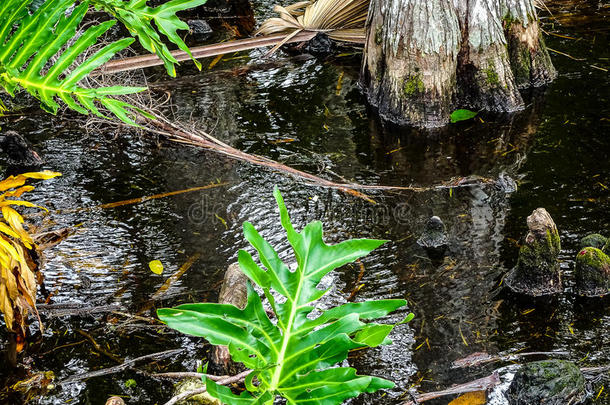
(99, 348)
(125, 365)
(565, 54)
(190, 374)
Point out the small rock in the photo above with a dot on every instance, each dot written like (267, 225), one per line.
(320, 45)
(592, 272)
(506, 183)
(19, 151)
(434, 235)
(199, 28)
(548, 382)
(537, 272)
(593, 240)
(606, 248)
(115, 401)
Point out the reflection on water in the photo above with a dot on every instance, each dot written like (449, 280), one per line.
(294, 112)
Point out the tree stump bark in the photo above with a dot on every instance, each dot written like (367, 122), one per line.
(537, 272)
(424, 59)
(234, 292)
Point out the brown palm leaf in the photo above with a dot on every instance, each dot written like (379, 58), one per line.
(341, 20)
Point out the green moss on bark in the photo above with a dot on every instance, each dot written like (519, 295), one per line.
(491, 76)
(378, 35)
(592, 272)
(541, 254)
(413, 85)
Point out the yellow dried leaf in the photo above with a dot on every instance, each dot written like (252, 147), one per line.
(25, 272)
(471, 398)
(6, 203)
(44, 175)
(12, 182)
(156, 266)
(10, 282)
(6, 307)
(5, 258)
(17, 193)
(15, 220)
(4, 228)
(8, 247)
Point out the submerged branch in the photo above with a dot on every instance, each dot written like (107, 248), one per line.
(123, 366)
(205, 51)
(194, 137)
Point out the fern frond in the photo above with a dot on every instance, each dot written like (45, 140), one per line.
(138, 17)
(29, 41)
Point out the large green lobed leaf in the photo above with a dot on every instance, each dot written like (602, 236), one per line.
(138, 17)
(295, 356)
(36, 55)
(38, 52)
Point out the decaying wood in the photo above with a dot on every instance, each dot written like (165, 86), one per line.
(205, 51)
(233, 292)
(123, 366)
(482, 384)
(169, 282)
(229, 380)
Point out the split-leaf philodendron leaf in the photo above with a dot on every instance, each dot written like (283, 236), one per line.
(294, 356)
(46, 51)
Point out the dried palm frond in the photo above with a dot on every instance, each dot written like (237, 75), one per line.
(18, 284)
(341, 20)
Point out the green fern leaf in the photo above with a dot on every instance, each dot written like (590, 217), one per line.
(295, 357)
(30, 42)
(138, 17)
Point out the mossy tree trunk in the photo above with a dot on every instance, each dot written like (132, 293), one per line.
(424, 58)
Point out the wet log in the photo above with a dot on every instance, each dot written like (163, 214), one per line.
(233, 292)
(537, 272)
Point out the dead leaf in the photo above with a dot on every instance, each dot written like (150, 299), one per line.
(471, 398)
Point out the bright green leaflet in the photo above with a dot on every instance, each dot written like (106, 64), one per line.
(462, 115)
(292, 358)
(38, 53)
(138, 17)
(27, 52)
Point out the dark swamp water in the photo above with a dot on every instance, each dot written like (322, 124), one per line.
(292, 110)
